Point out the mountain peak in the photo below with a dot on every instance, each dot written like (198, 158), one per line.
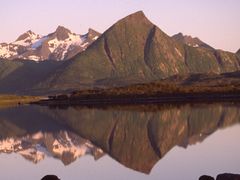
(136, 20)
(90, 30)
(179, 35)
(30, 32)
(93, 34)
(139, 15)
(26, 35)
(62, 28)
(62, 33)
(190, 41)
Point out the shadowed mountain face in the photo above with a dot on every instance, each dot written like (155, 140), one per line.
(136, 136)
(21, 75)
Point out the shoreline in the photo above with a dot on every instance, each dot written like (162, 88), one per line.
(13, 100)
(96, 100)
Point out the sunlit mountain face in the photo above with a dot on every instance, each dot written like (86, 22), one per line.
(135, 136)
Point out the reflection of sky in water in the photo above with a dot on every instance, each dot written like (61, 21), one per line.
(218, 153)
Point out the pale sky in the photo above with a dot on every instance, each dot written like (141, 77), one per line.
(216, 22)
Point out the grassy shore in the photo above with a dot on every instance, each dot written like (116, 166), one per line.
(12, 100)
(151, 93)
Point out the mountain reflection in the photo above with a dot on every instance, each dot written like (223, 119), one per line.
(64, 145)
(136, 136)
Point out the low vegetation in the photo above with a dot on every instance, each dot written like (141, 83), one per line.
(196, 87)
(12, 100)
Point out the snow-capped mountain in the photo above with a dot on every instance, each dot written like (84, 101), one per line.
(59, 45)
(63, 145)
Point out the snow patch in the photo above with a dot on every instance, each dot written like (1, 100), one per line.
(38, 43)
(95, 38)
(9, 145)
(195, 45)
(85, 44)
(5, 52)
(33, 57)
(37, 136)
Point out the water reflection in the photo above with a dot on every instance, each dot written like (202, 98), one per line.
(136, 136)
(65, 146)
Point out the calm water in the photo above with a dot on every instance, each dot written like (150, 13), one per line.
(132, 142)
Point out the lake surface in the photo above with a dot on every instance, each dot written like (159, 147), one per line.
(121, 142)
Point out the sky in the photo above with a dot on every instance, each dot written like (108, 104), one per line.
(216, 22)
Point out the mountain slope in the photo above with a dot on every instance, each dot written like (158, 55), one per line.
(190, 41)
(238, 53)
(134, 50)
(21, 75)
(123, 54)
(59, 45)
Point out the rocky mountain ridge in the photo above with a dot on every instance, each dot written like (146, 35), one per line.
(190, 41)
(59, 45)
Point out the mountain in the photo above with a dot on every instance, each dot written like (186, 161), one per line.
(190, 41)
(59, 45)
(134, 50)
